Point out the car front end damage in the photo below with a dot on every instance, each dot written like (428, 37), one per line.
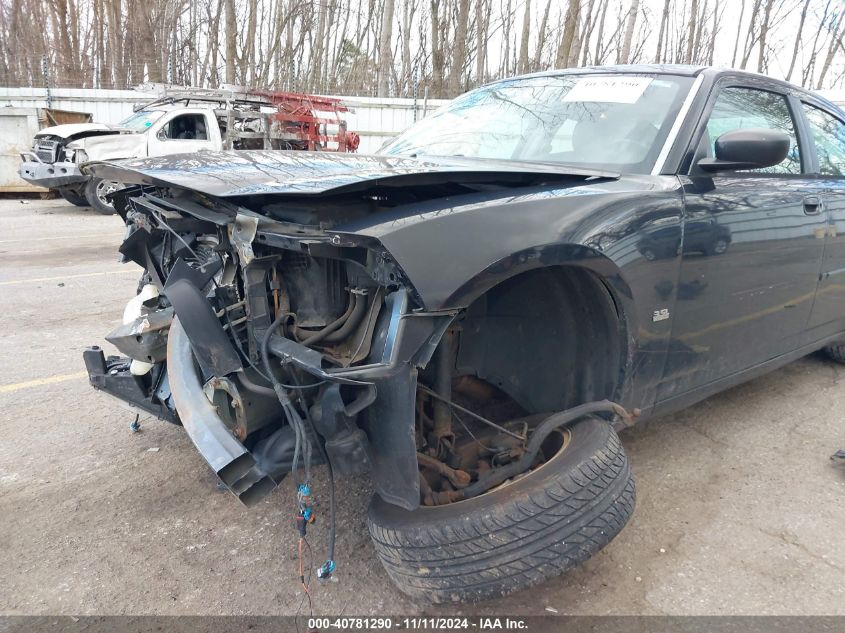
(228, 296)
(276, 321)
(48, 165)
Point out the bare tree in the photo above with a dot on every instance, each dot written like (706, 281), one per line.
(764, 34)
(738, 32)
(523, 40)
(385, 52)
(835, 45)
(664, 24)
(570, 24)
(231, 41)
(385, 46)
(630, 22)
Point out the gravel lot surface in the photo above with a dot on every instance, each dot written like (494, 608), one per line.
(739, 509)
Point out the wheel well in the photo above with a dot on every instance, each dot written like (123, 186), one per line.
(550, 339)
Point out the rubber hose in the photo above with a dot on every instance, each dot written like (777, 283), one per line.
(316, 337)
(247, 382)
(537, 437)
(352, 322)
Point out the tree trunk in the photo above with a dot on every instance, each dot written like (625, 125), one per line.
(797, 45)
(764, 32)
(630, 24)
(835, 43)
(541, 38)
(460, 48)
(522, 66)
(587, 33)
(752, 35)
(664, 23)
(437, 61)
(570, 23)
(693, 22)
(597, 58)
(407, 20)
(385, 53)
(711, 49)
(483, 8)
(738, 32)
(231, 41)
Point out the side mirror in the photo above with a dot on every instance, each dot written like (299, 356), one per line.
(161, 134)
(749, 148)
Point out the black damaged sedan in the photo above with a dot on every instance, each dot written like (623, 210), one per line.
(469, 316)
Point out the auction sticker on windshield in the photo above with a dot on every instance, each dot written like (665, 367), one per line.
(608, 89)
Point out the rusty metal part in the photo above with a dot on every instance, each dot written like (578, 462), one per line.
(443, 387)
(276, 301)
(472, 414)
(426, 491)
(473, 387)
(242, 415)
(550, 424)
(446, 496)
(458, 478)
(626, 418)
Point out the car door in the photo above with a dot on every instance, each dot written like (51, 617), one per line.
(827, 133)
(746, 284)
(181, 132)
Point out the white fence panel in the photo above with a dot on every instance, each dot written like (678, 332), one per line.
(378, 119)
(106, 106)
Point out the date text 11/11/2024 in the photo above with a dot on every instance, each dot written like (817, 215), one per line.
(418, 624)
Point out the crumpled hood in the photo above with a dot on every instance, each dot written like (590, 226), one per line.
(243, 173)
(69, 130)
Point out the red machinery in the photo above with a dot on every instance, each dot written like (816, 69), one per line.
(309, 122)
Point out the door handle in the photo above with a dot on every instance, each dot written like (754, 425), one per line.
(813, 205)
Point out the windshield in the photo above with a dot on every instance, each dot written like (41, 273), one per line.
(141, 120)
(616, 122)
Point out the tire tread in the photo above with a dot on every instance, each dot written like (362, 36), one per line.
(559, 522)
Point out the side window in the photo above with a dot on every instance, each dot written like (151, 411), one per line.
(186, 127)
(829, 135)
(738, 108)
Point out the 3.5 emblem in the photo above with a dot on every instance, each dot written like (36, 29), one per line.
(660, 315)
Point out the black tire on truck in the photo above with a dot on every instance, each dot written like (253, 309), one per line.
(536, 527)
(95, 191)
(73, 196)
(836, 351)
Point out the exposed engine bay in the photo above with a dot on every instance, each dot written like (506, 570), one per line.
(271, 329)
(279, 337)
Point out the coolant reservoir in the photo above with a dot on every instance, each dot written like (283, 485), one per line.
(134, 309)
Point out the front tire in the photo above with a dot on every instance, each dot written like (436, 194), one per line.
(539, 526)
(836, 351)
(74, 197)
(96, 190)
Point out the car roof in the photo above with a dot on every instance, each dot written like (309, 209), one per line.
(684, 70)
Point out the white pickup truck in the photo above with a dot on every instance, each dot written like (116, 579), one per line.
(183, 122)
(58, 151)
